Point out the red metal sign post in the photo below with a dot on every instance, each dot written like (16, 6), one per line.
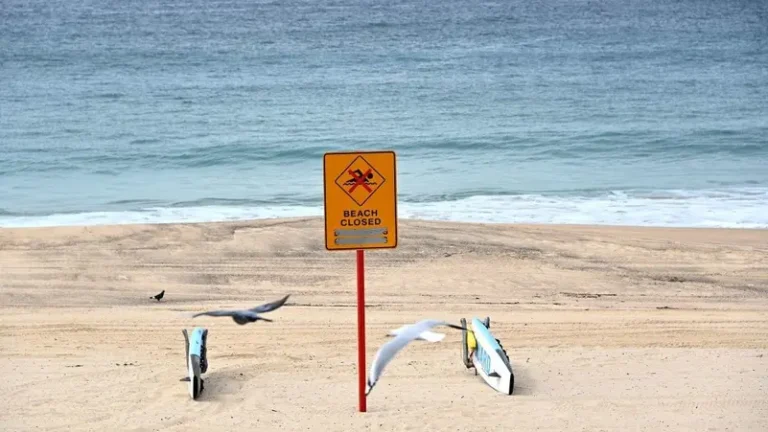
(361, 328)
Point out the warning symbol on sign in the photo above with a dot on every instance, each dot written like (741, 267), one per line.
(360, 180)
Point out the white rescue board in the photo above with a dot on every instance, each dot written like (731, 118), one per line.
(194, 352)
(490, 360)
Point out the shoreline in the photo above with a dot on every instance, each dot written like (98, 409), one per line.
(401, 219)
(673, 208)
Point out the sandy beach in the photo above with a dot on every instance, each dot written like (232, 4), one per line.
(608, 328)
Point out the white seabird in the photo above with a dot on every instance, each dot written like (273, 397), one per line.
(388, 351)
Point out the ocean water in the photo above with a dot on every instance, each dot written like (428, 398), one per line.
(640, 112)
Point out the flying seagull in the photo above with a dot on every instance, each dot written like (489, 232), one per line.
(245, 316)
(391, 348)
(158, 296)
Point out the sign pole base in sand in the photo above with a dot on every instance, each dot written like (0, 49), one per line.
(361, 329)
(360, 213)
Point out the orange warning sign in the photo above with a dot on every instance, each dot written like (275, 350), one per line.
(360, 200)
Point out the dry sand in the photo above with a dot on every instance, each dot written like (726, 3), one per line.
(608, 329)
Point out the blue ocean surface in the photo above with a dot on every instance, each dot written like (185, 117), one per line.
(639, 112)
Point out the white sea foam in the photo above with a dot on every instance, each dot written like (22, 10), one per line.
(668, 208)
(162, 215)
(742, 208)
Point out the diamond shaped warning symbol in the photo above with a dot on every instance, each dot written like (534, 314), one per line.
(360, 180)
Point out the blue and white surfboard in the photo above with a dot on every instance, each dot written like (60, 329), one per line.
(490, 360)
(197, 362)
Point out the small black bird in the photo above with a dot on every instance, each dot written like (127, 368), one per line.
(159, 296)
